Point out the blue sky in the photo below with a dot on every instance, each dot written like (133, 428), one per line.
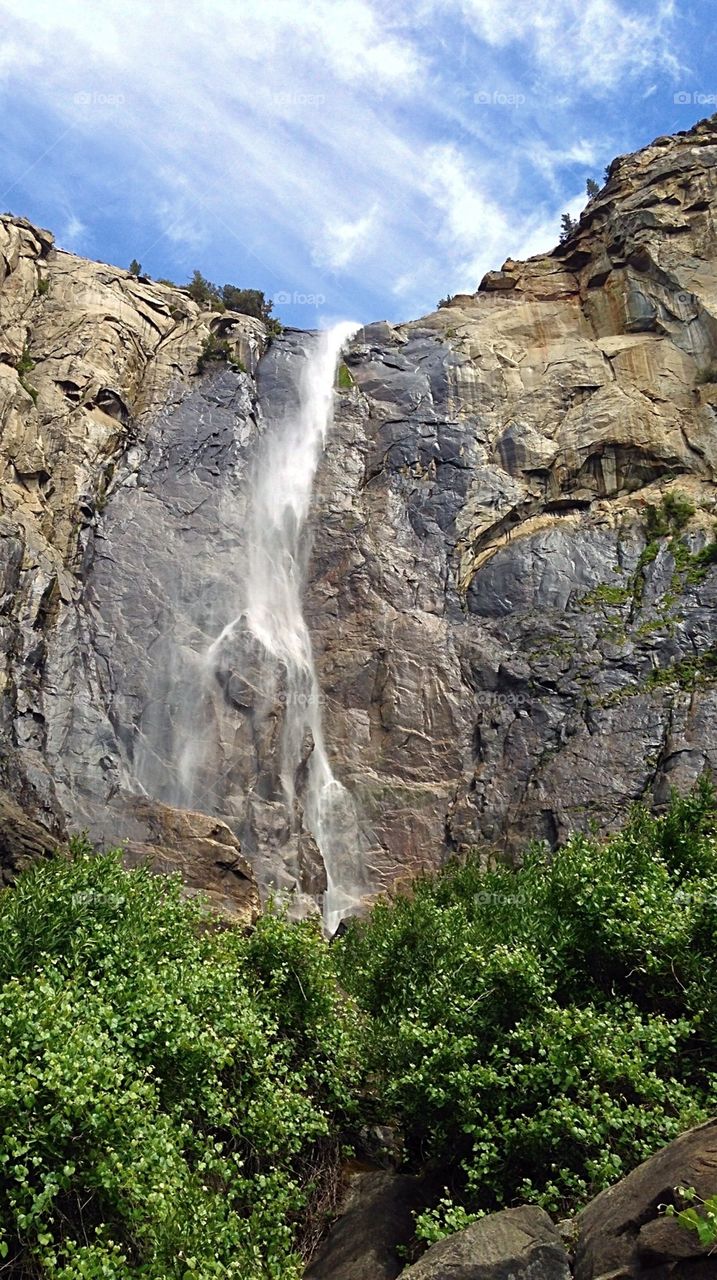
(352, 158)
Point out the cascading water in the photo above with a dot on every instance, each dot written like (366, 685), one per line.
(266, 645)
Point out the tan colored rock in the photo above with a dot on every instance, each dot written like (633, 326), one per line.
(201, 849)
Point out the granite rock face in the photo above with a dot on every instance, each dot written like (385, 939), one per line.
(508, 644)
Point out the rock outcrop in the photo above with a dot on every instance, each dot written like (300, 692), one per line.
(624, 1231)
(508, 644)
(517, 1244)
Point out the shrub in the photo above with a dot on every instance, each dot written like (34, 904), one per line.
(169, 1092)
(250, 302)
(216, 350)
(537, 1033)
(670, 517)
(24, 365)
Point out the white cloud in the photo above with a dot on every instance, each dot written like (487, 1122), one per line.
(72, 236)
(344, 242)
(591, 43)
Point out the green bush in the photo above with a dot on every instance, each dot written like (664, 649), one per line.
(671, 516)
(536, 1033)
(249, 302)
(217, 350)
(171, 1093)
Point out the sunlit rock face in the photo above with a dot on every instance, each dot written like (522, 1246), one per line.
(493, 656)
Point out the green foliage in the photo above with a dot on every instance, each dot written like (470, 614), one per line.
(204, 293)
(605, 594)
(443, 1220)
(567, 226)
(592, 187)
(344, 377)
(546, 1029)
(169, 1091)
(43, 286)
(671, 516)
(24, 365)
(135, 268)
(249, 302)
(702, 1221)
(445, 302)
(217, 350)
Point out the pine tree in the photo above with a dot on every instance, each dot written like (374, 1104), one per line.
(567, 226)
(592, 187)
(135, 268)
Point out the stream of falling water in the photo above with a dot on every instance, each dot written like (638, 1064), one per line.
(272, 612)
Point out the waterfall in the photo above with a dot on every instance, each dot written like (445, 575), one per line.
(271, 629)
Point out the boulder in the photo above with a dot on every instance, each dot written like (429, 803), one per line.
(623, 1232)
(202, 849)
(376, 1219)
(510, 1245)
(22, 840)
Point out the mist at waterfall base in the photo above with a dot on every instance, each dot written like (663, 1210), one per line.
(255, 682)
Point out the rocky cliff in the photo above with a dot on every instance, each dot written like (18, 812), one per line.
(511, 583)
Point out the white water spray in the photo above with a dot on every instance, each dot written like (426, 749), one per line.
(272, 614)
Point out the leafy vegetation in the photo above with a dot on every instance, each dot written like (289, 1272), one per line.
(592, 188)
(135, 268)
(249, 302)
(24, 365)
(174, 1095)
(670, 517)
(567, 226)
(702, 1220)
(538, 1033)
(216, 350)
(170, 1094)
(344, 377)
